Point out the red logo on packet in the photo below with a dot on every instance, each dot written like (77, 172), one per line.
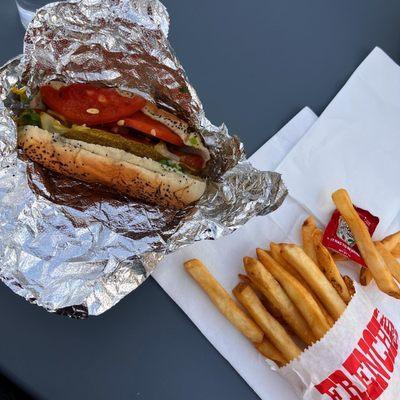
(338, 237)
(366, 373)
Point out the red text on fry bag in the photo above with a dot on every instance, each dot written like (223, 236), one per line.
(366, 373)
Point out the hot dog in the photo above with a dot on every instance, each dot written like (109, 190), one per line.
(106, 136)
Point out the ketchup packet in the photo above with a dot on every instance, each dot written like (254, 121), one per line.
(338, 237)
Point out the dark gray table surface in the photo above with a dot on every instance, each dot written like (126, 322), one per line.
(255, 64)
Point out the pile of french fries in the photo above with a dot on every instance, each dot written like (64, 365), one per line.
(291, 295)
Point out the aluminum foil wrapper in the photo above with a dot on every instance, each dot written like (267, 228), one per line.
(77, 249)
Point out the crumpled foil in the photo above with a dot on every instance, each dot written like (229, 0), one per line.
(77, 249)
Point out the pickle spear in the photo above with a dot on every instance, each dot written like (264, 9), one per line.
(100, 137)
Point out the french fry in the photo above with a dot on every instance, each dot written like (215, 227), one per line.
(315, 278)
(225, 304)
(396, 251)
(330, 269)
(276, 254)
(271, 289)
(392, 241)
(338, 256)
(350, 285)
(391, 262)
(307, 230)
(244, 279)
(274, 311)
(390, 244)
(272, 329)
(370, 254)
(299, 295)
(365, 276)
(317, 237)
(268, 350)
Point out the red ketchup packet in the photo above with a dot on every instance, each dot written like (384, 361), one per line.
(338, 237)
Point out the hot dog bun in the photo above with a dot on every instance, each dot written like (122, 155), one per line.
(139, 178)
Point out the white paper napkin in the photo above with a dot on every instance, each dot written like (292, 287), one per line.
(354, 144)
(224, 259)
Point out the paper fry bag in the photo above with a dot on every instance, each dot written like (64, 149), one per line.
(357, 359)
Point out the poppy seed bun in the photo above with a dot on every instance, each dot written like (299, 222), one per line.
(139, 178)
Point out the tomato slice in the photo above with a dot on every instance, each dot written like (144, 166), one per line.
(127, 133)
(83, 103)
(145, 124)
(193, 161)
